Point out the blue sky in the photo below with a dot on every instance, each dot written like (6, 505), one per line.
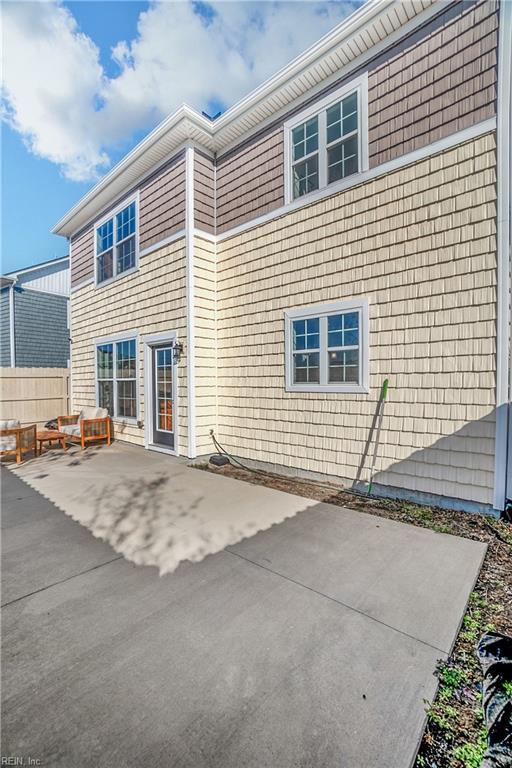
(85, 81)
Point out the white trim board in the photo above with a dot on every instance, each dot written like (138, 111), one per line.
(503, 441)
(189, 249)
(361, 178)
(162, 243)
(83, 284)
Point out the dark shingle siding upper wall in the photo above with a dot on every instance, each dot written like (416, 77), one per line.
(5, 344)
(41, 332)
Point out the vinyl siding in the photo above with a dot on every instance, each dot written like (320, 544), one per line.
(142, 301)
(250, 180)
(41, 329)
(161, 214)
(437, 81)
(420, 245)
(162, 204)
(5, 325)
(205, 343)
(82, 256)
(204, 192)
(442, 80)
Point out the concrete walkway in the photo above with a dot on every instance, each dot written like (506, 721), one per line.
(312, 643)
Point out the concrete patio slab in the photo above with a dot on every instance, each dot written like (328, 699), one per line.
(152, 508)
(290, 648)
(407, 577)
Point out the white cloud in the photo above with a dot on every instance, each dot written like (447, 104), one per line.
(57, 96)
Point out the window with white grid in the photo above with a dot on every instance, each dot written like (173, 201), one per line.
(327, 142)
(116, 244)
(327, 347)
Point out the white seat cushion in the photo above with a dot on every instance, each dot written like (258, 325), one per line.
(8, 442)
(71, 429)
(91, 412)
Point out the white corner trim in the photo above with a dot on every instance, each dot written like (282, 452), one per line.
(189, 250)
(162, 243)
(503, 441)
(435, 148)
(12, 334)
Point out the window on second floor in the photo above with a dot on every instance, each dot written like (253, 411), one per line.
(328, 141)
(116, 244)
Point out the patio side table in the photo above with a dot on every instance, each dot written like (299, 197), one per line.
(51, 436)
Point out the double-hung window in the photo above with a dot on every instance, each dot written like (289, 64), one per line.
(328, 141)
(116, 244)
(116, 372)
(327, 347)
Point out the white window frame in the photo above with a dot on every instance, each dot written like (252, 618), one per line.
(112, 215)
(115, 339)
(319, 109)
(323, 311)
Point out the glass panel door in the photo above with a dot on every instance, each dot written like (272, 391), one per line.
(163, 400)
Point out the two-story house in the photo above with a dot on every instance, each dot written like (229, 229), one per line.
(262, 273)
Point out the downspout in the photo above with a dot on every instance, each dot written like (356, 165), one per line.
(190, 292)
(12, 336)
(503, 381)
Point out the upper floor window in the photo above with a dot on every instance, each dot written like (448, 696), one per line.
(116, 243)
(327, 347)
(328, 141)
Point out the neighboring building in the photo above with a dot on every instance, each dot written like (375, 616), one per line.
(34, 309)
(346, 222)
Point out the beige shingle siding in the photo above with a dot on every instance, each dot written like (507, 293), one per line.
(420, 244)
(205, 343)
(82, 256)
(441, 80)
(204, 192)
(162, 204)
(141, 301)
(435, 82)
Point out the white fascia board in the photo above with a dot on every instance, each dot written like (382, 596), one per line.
(182, 115)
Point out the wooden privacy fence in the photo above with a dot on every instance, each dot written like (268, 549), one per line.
(34, 395)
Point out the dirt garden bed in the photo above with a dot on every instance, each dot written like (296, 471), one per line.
(455, 735)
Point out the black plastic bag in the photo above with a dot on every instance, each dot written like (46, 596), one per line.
(495, 654)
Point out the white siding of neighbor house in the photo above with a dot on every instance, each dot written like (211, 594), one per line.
(419, 243)
(49, 278)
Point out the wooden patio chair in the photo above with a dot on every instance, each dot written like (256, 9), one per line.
(89, 425)
(16, 440)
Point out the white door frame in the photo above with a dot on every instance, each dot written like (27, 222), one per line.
(167, 337)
